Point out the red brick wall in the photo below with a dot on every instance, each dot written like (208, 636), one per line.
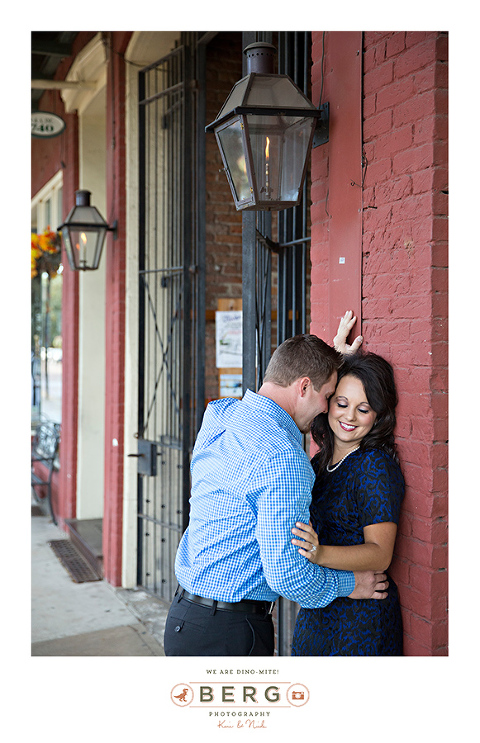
(48, 156)
(404, 293)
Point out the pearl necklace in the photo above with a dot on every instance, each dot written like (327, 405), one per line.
(335, 466)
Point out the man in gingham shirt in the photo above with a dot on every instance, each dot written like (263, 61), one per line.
(251, 481)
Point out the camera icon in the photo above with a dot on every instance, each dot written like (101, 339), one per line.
(298, 695)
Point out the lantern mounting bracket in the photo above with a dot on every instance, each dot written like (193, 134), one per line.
(267, 242)
(322, 130)
(113, 229)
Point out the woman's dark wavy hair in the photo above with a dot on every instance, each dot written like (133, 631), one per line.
(376, 375)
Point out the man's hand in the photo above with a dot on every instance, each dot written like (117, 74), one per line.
(340, 341)
(369, 585)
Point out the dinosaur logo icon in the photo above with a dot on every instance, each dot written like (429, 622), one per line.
(182, 695)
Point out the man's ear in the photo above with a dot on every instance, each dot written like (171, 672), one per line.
(304, 384)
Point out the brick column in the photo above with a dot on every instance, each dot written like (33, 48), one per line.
(336, 183)
(115, 312)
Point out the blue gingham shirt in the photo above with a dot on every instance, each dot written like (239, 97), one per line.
(251, 481)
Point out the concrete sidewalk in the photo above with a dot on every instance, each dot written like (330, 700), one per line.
(87, 618)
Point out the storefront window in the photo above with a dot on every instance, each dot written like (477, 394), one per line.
(46, 306)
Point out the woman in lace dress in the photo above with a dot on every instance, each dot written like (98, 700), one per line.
(355, 509)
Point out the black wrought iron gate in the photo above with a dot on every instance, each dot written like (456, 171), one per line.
(293, 264)
(172, 293)
(288, 258)
(171, 335)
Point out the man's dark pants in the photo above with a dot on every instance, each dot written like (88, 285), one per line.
(197, 630)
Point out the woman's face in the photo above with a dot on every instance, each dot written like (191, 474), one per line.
(349, 415)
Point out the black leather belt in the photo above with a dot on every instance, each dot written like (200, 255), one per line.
(248, 606)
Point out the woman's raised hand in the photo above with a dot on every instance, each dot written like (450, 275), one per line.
(340, 341)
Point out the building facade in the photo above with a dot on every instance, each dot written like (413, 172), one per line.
(138, 334)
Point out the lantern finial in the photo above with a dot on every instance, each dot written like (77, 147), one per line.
(260, 57)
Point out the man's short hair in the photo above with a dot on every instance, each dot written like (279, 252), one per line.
(302, 356)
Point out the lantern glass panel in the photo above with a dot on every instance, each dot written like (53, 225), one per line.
(279, 147)
(277, 91)
(235, 98)
(230, 140)
(85, 245)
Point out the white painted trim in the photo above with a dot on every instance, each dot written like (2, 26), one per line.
(92, 328)
(46, 191)
(129, 537)
(90, 68)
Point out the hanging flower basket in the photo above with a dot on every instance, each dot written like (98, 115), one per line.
(46, 253)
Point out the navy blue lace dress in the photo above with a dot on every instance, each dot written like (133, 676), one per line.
(368, 488)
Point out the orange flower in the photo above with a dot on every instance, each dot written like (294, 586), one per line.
(44, 242)
(45, 253)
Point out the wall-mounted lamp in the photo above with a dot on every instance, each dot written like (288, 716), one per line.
(265, 130)
(83, 234)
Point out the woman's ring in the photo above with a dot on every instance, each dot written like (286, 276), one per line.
(313, 548)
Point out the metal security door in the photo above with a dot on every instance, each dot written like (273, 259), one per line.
(287, 261)
(294, 59)
(169, 348)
